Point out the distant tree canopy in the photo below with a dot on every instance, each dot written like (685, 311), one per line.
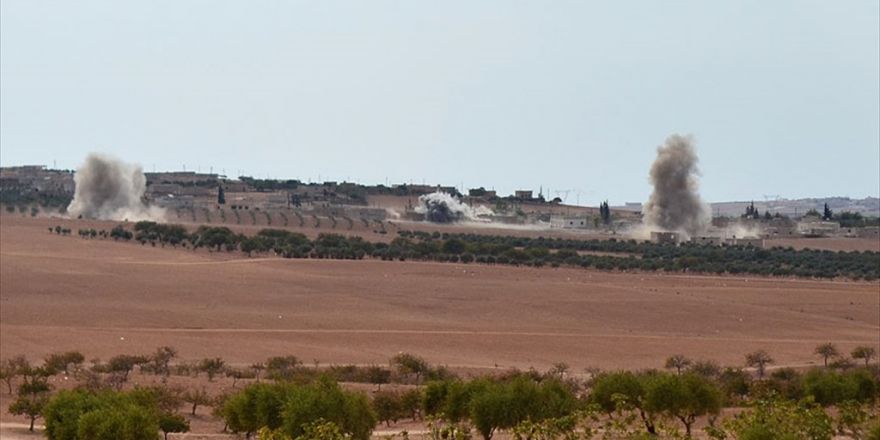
(166, 233)
(22, 198)
(855, 220)
(270, 184)
(605, 212)
(752, 212)
(622, 255)
(827, 213)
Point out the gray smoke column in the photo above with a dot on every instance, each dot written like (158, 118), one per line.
(109, 189)
(675, 204)
(441, 207)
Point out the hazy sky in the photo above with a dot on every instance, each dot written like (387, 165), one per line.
(783, 97)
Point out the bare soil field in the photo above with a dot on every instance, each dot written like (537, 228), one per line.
(105, 298)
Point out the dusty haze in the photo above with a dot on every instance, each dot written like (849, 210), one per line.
(441, 207)
(109, 189)
(675, 204)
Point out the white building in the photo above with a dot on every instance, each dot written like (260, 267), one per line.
(565, 222)
(817, 228)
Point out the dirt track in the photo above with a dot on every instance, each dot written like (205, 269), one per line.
(106, 298)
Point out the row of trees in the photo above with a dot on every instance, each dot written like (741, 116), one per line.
(403, 368)
(846, 219)
(300, 398)
(91, 414)
(635, 255)
(530, 405)
(468, 248)
(854, 220)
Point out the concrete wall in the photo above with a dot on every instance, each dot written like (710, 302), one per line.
(569, 222)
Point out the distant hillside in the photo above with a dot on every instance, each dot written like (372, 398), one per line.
(869, 206)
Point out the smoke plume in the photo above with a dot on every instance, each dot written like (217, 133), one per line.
(441, 207)
(675, 204)
(109, 189)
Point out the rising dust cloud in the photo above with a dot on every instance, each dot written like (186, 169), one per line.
(675, 204)
(441, 207)
(109, 189)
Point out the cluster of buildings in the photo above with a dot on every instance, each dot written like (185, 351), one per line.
(187, 189)
(676, 238)
(36, 178)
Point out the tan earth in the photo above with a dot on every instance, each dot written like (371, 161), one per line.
(105, 298)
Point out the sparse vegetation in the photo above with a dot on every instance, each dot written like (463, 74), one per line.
(759, 361)
(527, 404)
(33, 393)
(212, 367)
(827, 351)
(63, 362)
(865, 353)
(12, 198)
(678, 362)
(196, 398)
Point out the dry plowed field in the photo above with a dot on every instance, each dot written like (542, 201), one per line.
(105, 298)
